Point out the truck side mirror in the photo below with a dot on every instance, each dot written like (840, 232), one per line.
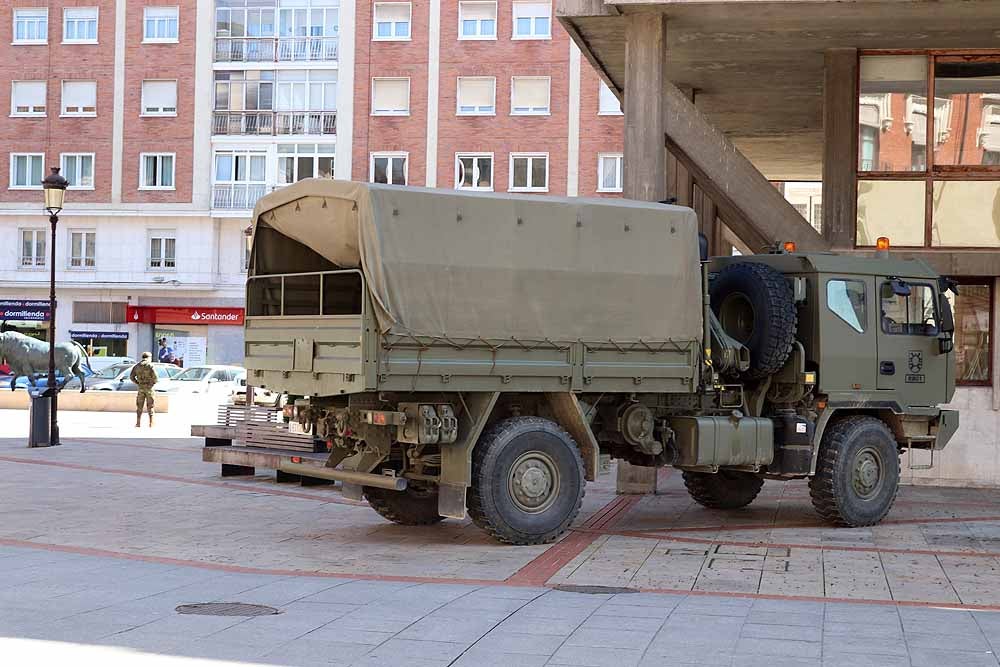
(947, 316)
(703, 246)
(945, 344)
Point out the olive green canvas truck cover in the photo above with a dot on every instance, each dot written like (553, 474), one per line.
(456, 265)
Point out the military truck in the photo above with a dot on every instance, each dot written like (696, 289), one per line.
(455, 353)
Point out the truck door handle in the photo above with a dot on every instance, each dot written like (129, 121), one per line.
(887, 368)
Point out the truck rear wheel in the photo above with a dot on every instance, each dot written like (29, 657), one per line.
(857, 475)
(417, 505)
(724, 490)
(527, 481)
(755, 305)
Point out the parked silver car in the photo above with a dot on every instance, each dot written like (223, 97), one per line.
(116, 377)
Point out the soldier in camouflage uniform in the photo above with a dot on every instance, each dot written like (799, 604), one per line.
(144, 377)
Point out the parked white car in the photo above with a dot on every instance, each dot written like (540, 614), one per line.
(214, 380)
(261, 396)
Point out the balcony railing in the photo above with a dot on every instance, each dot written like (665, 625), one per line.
(241, 196)
(274, 122)
(275, 49)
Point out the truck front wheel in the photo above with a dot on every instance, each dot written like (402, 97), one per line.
(857, 474)
(527, 481)
(724, 490)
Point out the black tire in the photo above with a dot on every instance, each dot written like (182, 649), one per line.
(755, 305)
(724, 490)
(857, 474)
(510, 455)
(416, 506)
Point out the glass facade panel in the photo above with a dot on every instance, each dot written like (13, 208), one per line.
(967, 120)
(891, 208)
(971, 307)
(892, 113)
(966, 214)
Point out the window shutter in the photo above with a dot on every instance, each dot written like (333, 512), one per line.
(475, 92)
(159, 96)
(478, 11)
(533, 93)
(391, 94)
(529, 9)
(79, 96)
(29, 94)
(392, 12)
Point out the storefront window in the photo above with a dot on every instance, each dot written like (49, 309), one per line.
(966, 214)
(967, 92)
(891, 208)
(973, 314)
(102, 343)
(892, 97)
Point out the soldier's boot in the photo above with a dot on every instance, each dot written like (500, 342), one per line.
(138, 420)
(150, 420)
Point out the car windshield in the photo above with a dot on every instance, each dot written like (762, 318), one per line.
(193, 374)
(111, 372)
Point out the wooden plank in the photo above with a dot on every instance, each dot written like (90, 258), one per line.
(840, 147)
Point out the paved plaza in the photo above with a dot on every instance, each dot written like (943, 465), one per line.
(103, 537)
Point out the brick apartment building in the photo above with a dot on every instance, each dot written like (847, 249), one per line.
(118, 95)
(480, 95)
(172, 117)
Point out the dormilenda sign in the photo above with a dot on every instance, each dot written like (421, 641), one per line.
(30, 311)
(185, 315)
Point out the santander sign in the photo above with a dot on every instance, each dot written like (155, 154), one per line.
(185, 315)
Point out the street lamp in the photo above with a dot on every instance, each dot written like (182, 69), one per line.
(54, 187)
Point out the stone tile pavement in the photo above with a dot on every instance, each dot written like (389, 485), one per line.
(102, 538)
(96, 605)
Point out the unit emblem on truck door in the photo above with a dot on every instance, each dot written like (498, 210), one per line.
(915, 364)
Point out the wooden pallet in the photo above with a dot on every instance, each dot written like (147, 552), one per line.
(257, 426)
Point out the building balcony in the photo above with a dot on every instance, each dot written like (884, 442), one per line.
(275, 49)
(238, 196)
(274, 123)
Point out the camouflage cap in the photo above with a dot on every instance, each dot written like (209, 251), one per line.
(147, 355)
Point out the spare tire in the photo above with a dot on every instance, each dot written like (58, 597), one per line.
(755, 305)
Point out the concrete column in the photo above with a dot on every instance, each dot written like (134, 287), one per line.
(645, 176)
(840, 147)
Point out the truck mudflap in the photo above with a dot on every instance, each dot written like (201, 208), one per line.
(947, 424)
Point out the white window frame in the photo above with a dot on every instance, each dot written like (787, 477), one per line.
(83, 249)
(35, 261)
(392, 37)
(161, 40)
(478, 36)
(530, 188)
(142, 171)
(532, 35)
(475, 174)
(28, 10)
(14, 156)
(294, 155)
(619, 158)
(392, 112)
(142, 100)
(65, 171)
(389, 154)
(162, 235)
(28, 114)
(96, 19)
(601, 87)
(547, 111)
(75, 114)
(458, 96)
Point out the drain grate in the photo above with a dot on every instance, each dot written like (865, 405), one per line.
(226, 609)
(595, 590)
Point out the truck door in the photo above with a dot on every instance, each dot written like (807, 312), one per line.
(910, 362)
